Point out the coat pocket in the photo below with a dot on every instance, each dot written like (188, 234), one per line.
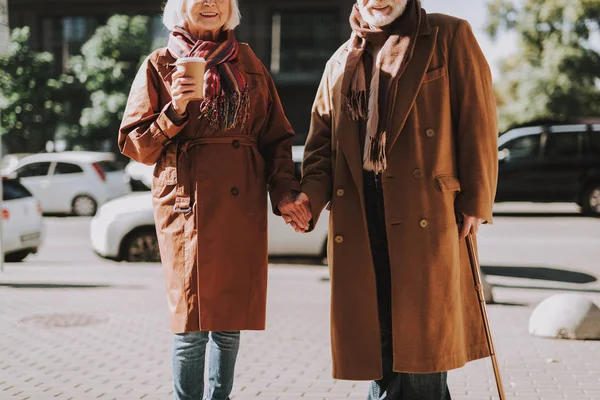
(432, 75)
(165, 171)
(448, 183)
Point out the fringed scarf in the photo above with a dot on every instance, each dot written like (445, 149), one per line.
(388, 65)
(226, 102)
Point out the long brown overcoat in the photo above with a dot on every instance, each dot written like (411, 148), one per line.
(214, 257)
(442, 159)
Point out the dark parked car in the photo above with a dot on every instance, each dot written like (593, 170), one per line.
(556, 162)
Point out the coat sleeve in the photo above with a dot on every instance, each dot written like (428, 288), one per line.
(317, 176)
(275, 146)
(146, 127)
(475, 124)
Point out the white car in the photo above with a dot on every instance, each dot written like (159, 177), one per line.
(72, 182)
(123, 229)
(22, 223)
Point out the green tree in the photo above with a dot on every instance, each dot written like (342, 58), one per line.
(29, 111)
(104, 73)
(556, 70)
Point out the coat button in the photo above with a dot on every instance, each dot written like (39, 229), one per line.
(340, 193)
(418, 173)
(235, 144)
(424, 223)
(235, 191)
(430, 132)
(339, 239)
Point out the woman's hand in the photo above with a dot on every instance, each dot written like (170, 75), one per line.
(183, 90)
(295, 210)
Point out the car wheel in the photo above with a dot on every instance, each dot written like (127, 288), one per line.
(141, 246)
(17, 256)
(591, 200)
(84, 206)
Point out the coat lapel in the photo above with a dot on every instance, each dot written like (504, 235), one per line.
(409, 83)
(347, 131)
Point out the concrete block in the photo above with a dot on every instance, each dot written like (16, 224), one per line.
(566, 316)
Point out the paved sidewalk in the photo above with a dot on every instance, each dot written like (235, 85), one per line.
(122, 348)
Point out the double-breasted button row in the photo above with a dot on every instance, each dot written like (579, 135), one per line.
(339, 239)
(430, 132)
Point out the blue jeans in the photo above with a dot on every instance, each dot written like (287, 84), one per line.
(188, 364)
(393, 385)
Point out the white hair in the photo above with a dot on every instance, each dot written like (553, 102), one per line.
(174, 15)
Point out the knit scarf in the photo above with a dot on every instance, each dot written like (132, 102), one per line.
(389, 64)
(226, 102)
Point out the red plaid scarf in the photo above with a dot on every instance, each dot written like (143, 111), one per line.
(226, 102)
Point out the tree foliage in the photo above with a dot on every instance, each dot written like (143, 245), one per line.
(556, 70)
(29, 110)
(104, 73)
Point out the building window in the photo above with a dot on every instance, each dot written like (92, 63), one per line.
(76, 31)
(302, 42)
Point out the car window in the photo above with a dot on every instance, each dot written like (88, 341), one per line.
(34, 169)
(110, 166)
(524, 147)
(67, 168)
(563, 145)
(13, 190)
(593, 143)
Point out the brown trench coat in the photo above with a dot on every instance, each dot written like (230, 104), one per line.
(214, 257)
(442, 159)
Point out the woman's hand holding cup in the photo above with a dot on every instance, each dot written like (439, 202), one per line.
(183, 90)
(188, 82)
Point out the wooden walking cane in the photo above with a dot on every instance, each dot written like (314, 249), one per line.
(475, 268)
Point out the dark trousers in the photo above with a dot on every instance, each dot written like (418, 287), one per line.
(393, 385)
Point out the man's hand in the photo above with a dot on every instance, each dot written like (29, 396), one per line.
(300, 206)
(468, 224)
(295, 210)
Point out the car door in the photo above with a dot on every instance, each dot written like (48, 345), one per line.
(65, 180)
(117, 180)
(34, 176)
(591, 155)
(564, 170)
(519, 166)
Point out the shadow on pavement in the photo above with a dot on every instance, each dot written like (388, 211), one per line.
(553, 289)
(505, 304)
(540, 273)
(51, 286)
(539, 214)
(297, 260)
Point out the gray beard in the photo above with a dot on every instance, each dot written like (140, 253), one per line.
(383, 21)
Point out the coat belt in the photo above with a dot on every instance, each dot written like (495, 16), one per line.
(183, 201)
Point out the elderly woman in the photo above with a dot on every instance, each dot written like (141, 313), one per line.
(216, 158)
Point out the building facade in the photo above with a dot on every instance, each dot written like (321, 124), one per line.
(293, 38)
(4, 31)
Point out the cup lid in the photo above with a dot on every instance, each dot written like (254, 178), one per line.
(190, 59)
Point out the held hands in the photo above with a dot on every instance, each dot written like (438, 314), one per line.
(467, 224)
(183, 90)
(295, 210)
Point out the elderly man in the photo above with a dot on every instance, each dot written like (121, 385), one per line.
(403, 150)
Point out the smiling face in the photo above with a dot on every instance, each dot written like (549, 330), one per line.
(206, 18)
(378, 13)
